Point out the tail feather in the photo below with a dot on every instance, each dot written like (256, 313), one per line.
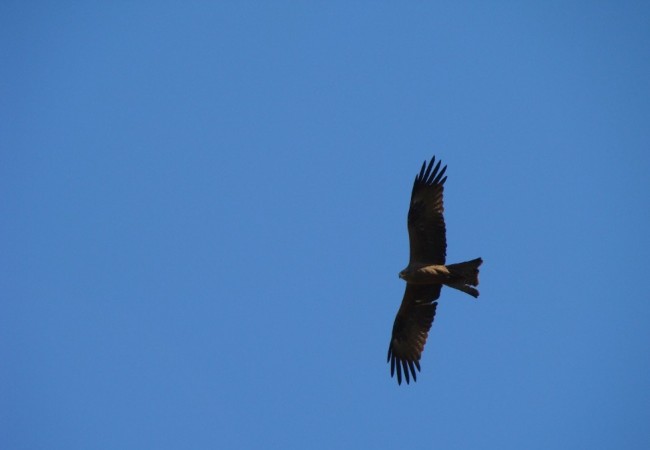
(464, 275)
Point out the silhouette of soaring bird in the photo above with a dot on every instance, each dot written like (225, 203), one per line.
(426, 272)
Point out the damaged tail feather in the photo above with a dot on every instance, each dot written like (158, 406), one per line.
(465, 275)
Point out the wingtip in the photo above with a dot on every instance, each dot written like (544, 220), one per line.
(405, 369)
(430, 174)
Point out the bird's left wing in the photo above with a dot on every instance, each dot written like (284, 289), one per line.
(426, 223)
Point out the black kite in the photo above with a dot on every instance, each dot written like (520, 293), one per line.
(426, 273)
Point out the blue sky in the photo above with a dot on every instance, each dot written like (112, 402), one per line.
(204, 214)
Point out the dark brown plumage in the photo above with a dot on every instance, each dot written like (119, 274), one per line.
(426, 273)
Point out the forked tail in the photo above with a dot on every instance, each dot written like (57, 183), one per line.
(465, 275)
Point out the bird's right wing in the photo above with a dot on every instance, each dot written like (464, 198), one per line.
(411, 329)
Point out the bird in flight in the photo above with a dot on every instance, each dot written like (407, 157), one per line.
(426, 273)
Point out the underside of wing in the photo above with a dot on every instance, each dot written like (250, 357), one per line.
(411, 329)
(426, 224)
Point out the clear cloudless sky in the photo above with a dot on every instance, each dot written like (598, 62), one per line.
(203, 214)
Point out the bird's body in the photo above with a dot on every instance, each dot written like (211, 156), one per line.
(426, 272)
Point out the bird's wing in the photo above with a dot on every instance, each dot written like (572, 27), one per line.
(426, 224)
(411, 328)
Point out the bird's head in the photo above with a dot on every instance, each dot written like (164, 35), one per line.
(402, 274)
